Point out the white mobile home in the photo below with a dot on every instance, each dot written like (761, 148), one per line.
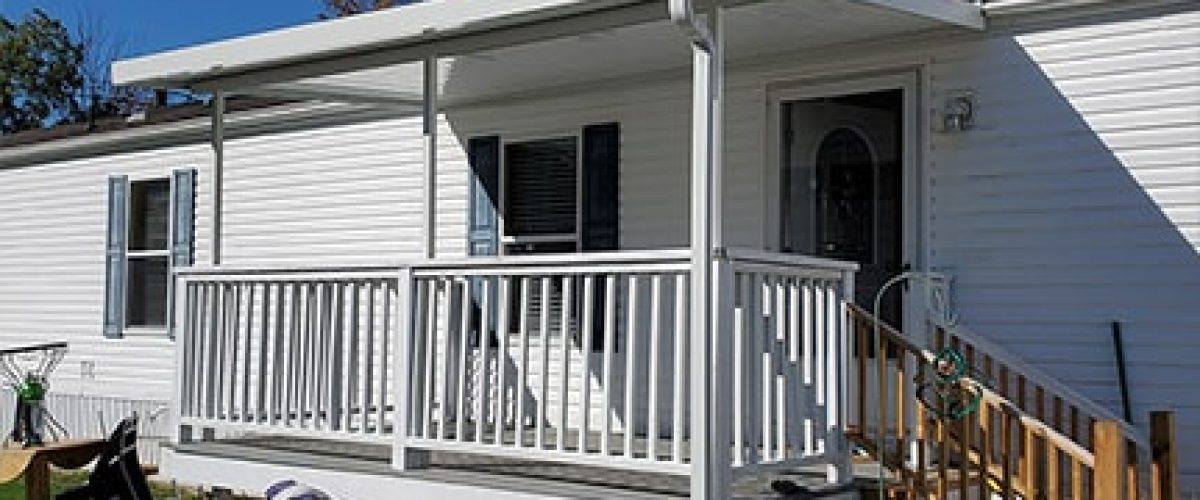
(497, 248)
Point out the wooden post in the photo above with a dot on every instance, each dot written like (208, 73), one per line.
(1108, 475)
(1164, 464)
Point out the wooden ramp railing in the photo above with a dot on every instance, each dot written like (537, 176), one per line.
(995, 441)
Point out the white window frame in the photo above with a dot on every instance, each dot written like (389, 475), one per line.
(502, 171)
(130, 255)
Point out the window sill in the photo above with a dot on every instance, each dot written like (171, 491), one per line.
(146, 331)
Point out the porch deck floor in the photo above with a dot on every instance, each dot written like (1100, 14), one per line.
(505, 473)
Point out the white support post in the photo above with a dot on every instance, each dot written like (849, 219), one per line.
(840, 469)
(404, 458)
(711, 460)
(430, 129)
(183, 338)
(218, 172)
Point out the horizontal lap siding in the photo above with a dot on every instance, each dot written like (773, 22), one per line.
(333, 195)
(1076, 202)
(52, 223)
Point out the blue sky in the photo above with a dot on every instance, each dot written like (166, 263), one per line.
(155, 25)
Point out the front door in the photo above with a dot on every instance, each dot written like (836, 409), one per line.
(843, 186)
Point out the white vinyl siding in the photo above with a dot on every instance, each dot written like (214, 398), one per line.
(53, 222)
(333, 195)
(1075, 202)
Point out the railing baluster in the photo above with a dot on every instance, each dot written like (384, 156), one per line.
(881, 406)
(654, 362)
(585, 373)
(464, 346)
(795, 421)
(631, 362)
(754, 349)
(766, 354)
(350, 399)
(610, 339)
(264, 349)
(200, 375)
(964, 458)
(274, 387)
(229, 336)
(483, 338)
(985, 448)
(386, 369)
(503, 305)
(808, 349)
(338, 378)
(820, 326)
(778, 352)
(741, 379)
(564, 402)
(431, 348)
(312, 325)
(522, 364)
(368, 380)
(446, 291)
(543, 402)
(213, 394)
(679, 387)
(291, 332)
(248, 345)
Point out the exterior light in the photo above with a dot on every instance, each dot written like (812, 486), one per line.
(959, 113)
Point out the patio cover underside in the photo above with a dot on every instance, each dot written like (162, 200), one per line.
(542, 50)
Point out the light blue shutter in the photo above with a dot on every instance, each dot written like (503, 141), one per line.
(183, 210)
(483, 186)
(482, 219)
(183, 230)
(114, 274)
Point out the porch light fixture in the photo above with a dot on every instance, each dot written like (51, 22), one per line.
(958, 115)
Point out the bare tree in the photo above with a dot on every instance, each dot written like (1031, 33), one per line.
(101, 46)
(343, 8)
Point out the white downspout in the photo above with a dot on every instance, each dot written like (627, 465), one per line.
(711, 383)
(218, 173)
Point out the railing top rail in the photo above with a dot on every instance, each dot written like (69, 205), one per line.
(671, 259)
(1040, 377)
(268, 270)
(669, 256)
(787, 260)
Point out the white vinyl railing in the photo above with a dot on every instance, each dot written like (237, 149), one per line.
(789, 352)
(578, 358)
(564, 358)
(295, 352)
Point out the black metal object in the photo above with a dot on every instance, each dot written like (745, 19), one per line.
(1122, 377)
(118, 473)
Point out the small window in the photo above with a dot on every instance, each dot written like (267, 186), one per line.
(541, 202)
(149, 254)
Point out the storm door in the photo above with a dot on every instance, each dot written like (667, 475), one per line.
(843, 186)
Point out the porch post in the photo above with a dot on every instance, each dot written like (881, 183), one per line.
(403, 457)
(430, 130)
(711, 473)
(218, 172)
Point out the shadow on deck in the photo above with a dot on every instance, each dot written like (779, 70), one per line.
(559, 480)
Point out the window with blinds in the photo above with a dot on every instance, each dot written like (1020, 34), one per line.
(541, 195)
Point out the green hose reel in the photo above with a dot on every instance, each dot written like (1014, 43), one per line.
(947, 394)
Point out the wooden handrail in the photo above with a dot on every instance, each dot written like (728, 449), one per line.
(1006, 447)
(1041, 379)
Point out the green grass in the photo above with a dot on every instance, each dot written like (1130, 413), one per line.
(63, 480)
